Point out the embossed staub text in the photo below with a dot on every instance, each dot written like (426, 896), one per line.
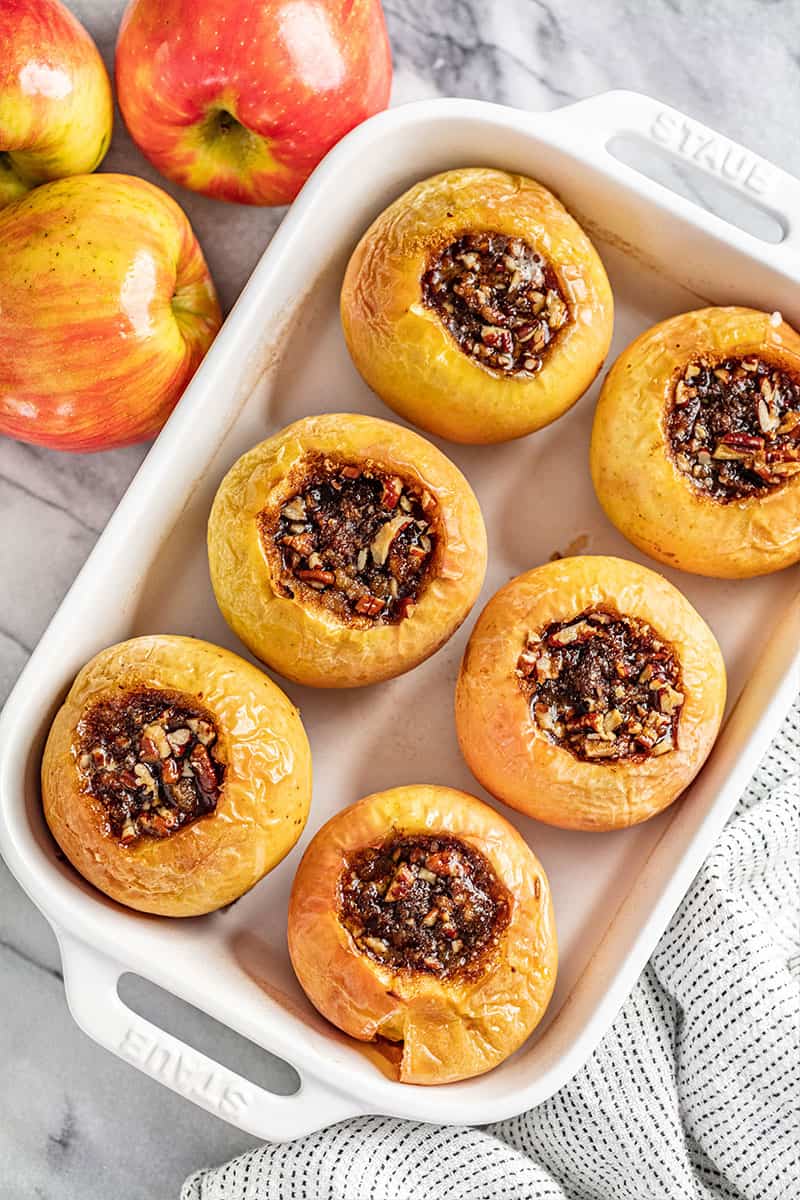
(178, 1070)
(713, 152)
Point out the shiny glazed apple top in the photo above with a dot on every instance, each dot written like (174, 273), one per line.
(241, 100)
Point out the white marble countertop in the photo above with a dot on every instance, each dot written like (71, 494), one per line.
(74, 1120)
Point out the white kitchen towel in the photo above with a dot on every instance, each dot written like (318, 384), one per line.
(694, 1094)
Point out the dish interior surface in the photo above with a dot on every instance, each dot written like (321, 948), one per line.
(282, 356)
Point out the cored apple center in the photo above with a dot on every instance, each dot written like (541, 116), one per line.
(355, 539)
(603, 685)
(425, 903)
(150, 756)
(498, 298)
(733, 426)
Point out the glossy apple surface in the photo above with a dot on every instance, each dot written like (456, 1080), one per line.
(56, 110)
(241, 100)
(107, 309)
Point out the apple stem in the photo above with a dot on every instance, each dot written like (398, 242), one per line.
(226, 120)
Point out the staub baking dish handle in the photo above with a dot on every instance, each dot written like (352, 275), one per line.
(91, 983)
(620, 113)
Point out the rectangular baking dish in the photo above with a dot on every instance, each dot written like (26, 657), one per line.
(281, 355)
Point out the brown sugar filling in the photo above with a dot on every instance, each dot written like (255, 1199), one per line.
(734, 427)
(424, 902)
(150, 756)
(356, 540)
(604, 686)
(499, 299)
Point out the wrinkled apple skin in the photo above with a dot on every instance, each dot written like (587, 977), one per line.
(107, 309)
(241, 100)
(56, 111)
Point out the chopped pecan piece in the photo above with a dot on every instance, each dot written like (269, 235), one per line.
(295, 510)
(301, 543)
(203, 768)
(317, 575)
(170, 772)
(401, 884)
(156, 736)
(392, 491)
(381, 543)
(369, 606)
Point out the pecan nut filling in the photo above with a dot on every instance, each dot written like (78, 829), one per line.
(499, 300)
(150, 757)
(734, 427)
(422, 902)
(356, 540)
(604, 686)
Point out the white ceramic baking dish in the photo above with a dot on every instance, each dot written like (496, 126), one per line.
(279, 356)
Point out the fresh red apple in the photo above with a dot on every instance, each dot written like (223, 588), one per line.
(241, 99)
(56, 110)
(107, 309)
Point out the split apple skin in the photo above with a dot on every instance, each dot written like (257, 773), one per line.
(56, 110)
(104, 285)
(241, 100)
(264, 799)
(446, 1028)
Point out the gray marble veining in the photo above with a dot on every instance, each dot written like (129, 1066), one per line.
(75, 1121)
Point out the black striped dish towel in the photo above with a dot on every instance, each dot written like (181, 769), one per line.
(693, 1095)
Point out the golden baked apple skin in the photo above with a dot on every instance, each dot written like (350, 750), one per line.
(636, 478)
(263, 799)
(514, 758)
(304, 641)
(448, 1028)
(402, 348)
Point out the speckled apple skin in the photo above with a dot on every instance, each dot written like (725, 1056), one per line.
(56, 109)
(104, 284)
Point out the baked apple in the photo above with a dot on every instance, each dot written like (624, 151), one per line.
(696, 442)
(476, 307)
(590, 693)
(420, 917)
(175, 775)
(345, 550)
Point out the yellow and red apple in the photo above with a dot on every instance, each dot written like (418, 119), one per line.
(241, 99)
(56, 110)
(107, 308)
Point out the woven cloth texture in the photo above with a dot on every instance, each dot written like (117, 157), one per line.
(694, 1092)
